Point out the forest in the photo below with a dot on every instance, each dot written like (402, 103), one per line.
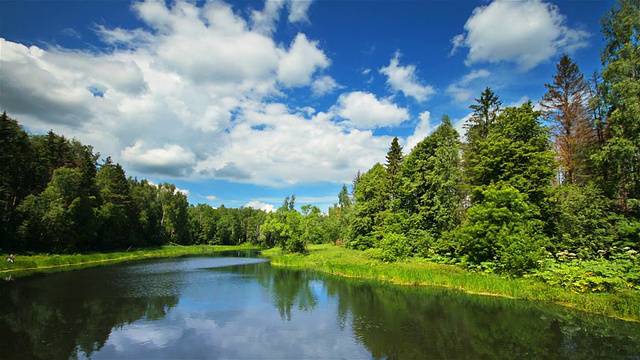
(550, 190)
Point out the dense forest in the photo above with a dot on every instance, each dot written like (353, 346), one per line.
(530, 187)
(56, 197)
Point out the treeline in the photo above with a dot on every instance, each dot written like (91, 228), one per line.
(56, 197)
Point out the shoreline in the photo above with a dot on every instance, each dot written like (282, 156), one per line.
(31, 263)
(338, 261)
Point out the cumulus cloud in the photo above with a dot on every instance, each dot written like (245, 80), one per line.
(364, 111)
(460, 90)
(525, 32)
(172, 160)
(324, 85)
(231, 171)
(265, 21)
(196, 92)
(404, 79)
(282, 147)
(257, 205)
(303, 59)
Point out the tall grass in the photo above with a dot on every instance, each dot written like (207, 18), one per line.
(49, 261)
(351, 263)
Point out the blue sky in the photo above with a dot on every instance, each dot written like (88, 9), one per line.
(242, 103)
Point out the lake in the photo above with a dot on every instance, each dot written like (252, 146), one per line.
(240, 307)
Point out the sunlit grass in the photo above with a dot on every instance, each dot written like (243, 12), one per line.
(47, 261)
(352, 263)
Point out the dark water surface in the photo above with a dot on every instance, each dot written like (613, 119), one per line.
(242, 308)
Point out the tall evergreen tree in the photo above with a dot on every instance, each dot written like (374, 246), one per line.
(566, 106)
(393, 167)
(117, 211)
(620, 155)
(368, 209)
(16, 160)
(431, 181)
(517, 151)
(485, 111)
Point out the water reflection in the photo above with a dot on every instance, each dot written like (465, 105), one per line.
(288, 288)
(243, 308)
(53, 318)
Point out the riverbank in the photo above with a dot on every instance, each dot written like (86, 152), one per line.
(352, 263)
(55, 261)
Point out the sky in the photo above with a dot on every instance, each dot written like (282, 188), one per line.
(242, 103)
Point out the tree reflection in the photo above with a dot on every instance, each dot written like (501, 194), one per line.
(289, 288)
(46, 323)
(411, 323)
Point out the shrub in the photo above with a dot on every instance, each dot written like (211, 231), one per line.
(394, 247)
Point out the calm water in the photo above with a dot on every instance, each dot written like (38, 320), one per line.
(242, 308)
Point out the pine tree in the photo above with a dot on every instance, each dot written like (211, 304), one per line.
(484, 115)
(393, 167)
(619, 158)
(566, 107)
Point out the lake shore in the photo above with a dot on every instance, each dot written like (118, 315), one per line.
(60, 262)
(340, 261)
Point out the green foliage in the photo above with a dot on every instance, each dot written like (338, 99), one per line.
(174, 220)
(394, 168)
(583, 223)
(501, 228)
(16, 155)
(289, 229)
(431, 174)
(370, 203)
(598, 275)
(516, 151)
(619, 159)
(394, 247)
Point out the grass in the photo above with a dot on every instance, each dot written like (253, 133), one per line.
(55, 261)
(352, 263)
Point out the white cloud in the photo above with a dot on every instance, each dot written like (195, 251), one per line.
(170, 160)
(364, 111)
(194, 92)
(324, 85)
(421, 131)
(460, 90)
(265, 21)
(459, 125)
(298, 10)
(209, 197)
(254, 204)
(270, 138)
(404, 79)
(303, 59)
(525, 32)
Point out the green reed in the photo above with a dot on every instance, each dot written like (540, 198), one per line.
(47, 261)
(352, 263)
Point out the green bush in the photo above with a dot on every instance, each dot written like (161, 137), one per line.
(394, 247)
(501, 228)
